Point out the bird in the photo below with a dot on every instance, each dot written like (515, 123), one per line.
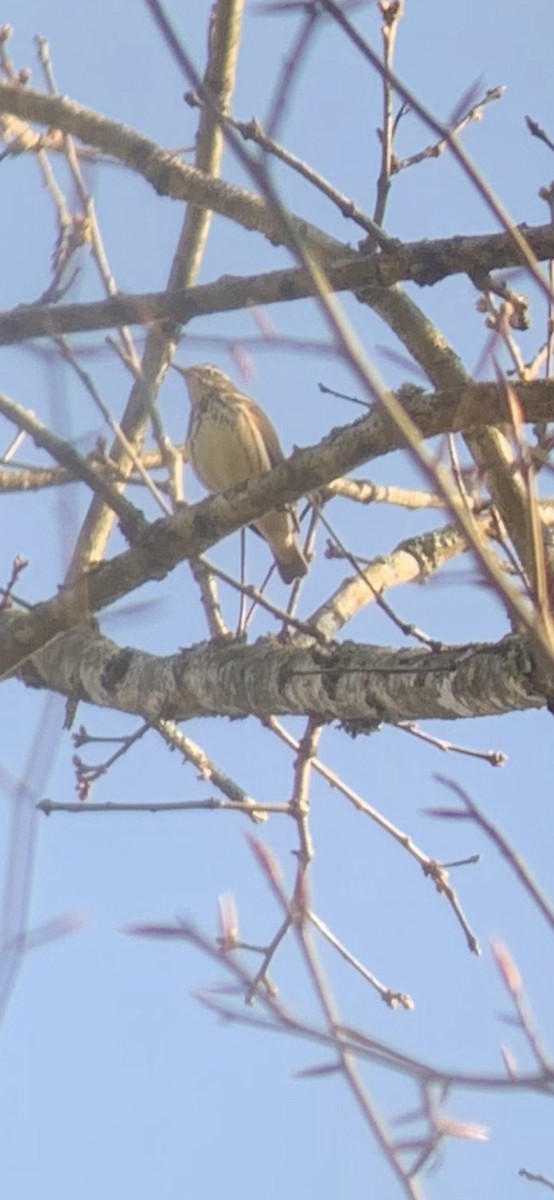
(230, 439)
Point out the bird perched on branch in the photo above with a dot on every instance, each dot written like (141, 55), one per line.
(230, 440)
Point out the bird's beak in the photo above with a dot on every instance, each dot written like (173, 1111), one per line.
(181, 370)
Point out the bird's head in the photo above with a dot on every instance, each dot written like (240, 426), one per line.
(203, 379)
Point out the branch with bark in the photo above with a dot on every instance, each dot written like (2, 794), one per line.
(358, 685)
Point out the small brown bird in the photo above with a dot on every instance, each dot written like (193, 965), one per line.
(230, 440)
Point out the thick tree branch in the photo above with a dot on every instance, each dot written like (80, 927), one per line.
(424, 262)
(353, 683)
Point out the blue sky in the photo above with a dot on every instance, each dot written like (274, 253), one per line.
(113, 1077)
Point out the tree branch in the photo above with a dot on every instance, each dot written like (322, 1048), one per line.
(424, 262)
(358, 684)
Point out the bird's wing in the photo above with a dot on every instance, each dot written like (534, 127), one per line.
(268, 436)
